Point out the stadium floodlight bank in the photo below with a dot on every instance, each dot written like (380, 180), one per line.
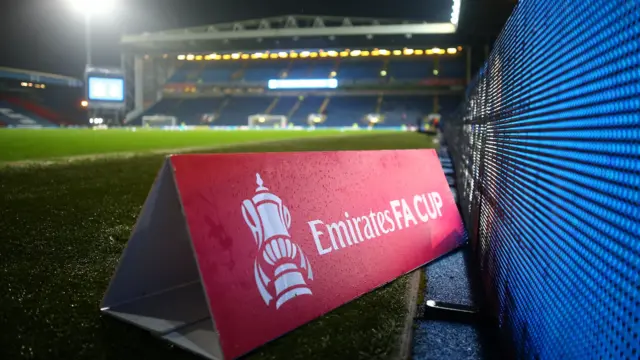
(259, 120)
(159, 121)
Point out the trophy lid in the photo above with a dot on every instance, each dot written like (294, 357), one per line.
(260, 184)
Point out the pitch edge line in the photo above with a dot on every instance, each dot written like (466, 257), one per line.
(131, 154)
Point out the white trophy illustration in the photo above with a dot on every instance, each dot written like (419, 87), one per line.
(279, 259)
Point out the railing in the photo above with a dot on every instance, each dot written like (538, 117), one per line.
(547, 155)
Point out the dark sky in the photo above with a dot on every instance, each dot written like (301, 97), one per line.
(46, 35)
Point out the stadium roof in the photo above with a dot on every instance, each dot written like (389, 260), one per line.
(38, 77)
(281, 30)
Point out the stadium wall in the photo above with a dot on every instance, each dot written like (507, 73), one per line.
(547, 156)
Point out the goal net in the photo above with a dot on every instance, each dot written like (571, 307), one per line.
(263, 120)
(159, 121)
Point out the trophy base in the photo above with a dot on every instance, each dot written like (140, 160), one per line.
(289, 283)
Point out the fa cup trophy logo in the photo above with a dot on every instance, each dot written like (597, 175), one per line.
(279, 260)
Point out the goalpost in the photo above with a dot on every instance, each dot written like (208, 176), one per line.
(159, 120)
(277, 121)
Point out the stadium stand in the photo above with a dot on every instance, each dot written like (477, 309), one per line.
(17, 116)
(35, 99)
(250, 71)
(393, 86)
(308, 105)
(230, 103)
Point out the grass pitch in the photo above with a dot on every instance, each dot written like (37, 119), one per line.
(47, 144)
(64, 227)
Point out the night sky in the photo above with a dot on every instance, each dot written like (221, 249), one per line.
(47, 35)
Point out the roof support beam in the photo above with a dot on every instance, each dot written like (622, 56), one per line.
(398, 29)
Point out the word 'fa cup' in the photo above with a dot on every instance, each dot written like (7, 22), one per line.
(280, 264)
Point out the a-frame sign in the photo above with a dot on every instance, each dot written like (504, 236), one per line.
(234, 250)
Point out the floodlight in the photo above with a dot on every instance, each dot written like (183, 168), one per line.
(91, 7)
(455, 12)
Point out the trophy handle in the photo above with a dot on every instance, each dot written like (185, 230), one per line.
(253, 221)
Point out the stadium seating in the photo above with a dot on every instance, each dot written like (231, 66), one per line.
(39, 110)
(56, 105)
(188, 111)
(351, 70)
(399, 110)
(284, 105)
(12, 114)
(308, 105)
(238, 109)
(410, 69)
(346, 110)
(360, 70)
(308, 69)
(453, 67)
(342, 110)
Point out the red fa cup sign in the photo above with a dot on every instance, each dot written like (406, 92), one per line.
(234, 250)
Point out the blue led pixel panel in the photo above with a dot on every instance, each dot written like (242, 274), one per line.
(547, 154)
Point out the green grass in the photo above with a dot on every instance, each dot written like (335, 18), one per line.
(40, 144)
(63, 228)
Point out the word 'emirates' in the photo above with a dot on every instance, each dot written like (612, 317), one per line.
(354, 230)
